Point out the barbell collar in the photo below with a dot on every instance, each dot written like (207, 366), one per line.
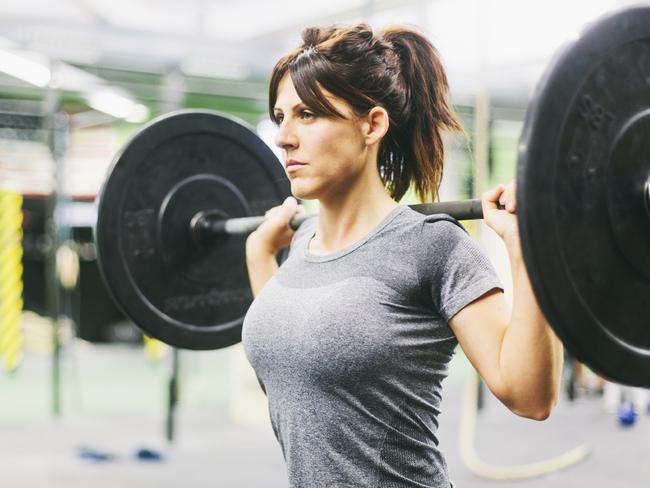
(207, 227)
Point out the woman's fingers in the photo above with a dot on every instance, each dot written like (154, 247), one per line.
(502, 197)
(499, 205)
(285, 211)
(509, 197)
(492, 197)
(274, 233)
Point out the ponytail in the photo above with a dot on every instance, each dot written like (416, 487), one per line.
(427, 114)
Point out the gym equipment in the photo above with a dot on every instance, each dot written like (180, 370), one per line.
(582, 196)
(186, 293)
(180, 197)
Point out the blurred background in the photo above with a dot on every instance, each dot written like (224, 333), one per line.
(84, 398)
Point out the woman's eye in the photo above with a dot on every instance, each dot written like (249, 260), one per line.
(305, 114)
(279, 118)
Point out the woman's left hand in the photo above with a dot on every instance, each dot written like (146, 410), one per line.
(502, 221)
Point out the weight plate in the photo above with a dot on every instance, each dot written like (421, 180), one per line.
(186, 295)
(582, 170)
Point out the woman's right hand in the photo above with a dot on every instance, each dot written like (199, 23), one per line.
(274, 233)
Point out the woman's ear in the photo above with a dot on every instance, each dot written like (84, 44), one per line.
(375, 125)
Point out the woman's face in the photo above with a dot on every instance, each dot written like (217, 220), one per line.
(323, 156)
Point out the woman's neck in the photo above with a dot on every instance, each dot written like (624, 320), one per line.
(349, 217)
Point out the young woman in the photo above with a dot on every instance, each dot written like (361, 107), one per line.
(352, 336)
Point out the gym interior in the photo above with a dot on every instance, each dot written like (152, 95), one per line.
(87, 397)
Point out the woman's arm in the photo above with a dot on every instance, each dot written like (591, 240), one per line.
(514, 350)
(261, 265)
(265, 242)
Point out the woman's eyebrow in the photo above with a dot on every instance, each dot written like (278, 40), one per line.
(294, 108)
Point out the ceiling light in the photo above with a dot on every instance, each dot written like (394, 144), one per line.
(23, 68)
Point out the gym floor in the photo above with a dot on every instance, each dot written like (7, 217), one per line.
(113, 403)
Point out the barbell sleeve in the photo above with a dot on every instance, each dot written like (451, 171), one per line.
(207, 224)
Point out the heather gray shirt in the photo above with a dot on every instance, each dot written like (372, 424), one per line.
(351, 349)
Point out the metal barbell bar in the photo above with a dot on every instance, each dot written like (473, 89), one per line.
(207, 226)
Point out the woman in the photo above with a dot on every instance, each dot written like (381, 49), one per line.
(351, 337)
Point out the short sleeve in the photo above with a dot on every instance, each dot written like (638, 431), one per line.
(452, 267)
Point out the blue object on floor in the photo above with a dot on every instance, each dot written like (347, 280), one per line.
(145, 454)
(95, 455)
(626, 414)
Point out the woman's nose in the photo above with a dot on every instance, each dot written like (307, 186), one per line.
(285, 138)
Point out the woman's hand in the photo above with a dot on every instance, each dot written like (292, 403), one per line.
(502, 220)
(274, 233)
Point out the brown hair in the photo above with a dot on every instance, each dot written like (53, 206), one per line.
(398, 69)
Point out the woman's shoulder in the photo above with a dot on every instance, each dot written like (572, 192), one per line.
(434, 236)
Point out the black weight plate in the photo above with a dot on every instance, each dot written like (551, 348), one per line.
(185, 295)
(582, 169)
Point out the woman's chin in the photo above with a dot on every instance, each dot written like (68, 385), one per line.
(301, 191)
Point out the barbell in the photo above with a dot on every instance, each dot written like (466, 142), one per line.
(180, 197)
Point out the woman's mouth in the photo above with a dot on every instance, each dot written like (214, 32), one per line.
(293, 162)
(293, 165)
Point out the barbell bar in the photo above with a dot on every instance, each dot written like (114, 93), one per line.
(208, 225)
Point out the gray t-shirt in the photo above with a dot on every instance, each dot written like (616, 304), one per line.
(351, 349)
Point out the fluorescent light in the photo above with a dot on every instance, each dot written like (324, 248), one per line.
(24, 68)
(118, 106)
(139, 114)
